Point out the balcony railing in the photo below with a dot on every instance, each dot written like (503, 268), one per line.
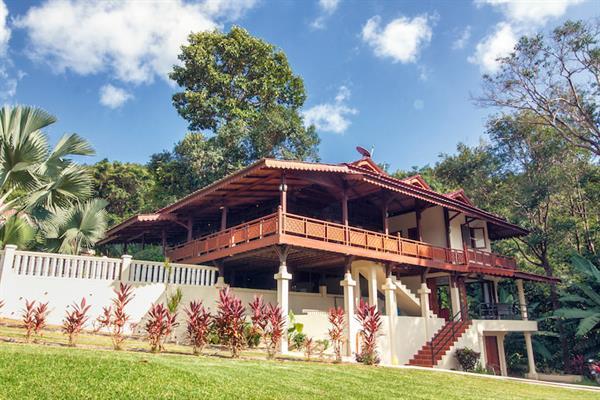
(292, 225)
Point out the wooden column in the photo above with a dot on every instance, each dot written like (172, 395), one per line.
(345, 208)
(223, 218)
(283, 194)
(164, 242)
(384, 212)
(190, 229)
(418, 215)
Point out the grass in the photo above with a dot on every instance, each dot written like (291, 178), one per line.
(49, 370)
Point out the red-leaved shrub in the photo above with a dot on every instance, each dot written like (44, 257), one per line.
(41, 313)
(336, 332)
(75, 320)
(370, 322)
(159, 326)
(229, 321)
(114, 317)
(273, 329)
(258, 316)
(29, 319)
(198, 325)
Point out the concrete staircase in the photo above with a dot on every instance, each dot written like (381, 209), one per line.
(441, 343)
(406, 299)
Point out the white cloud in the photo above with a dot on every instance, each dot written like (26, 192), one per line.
(327, 8)
(522, 17)
(530, 11)
(4, 29)
(401, 40)
(132, 41)
(463, 39)
(498, 44)
(113, 97)
(331, 117)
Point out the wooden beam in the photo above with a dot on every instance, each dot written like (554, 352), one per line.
(283, 193)
(418, 215)
(223, 218)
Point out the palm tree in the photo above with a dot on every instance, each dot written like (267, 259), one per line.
(76, 228)
(38, 183)
(583, 301)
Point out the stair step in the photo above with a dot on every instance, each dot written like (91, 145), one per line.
(441, 343)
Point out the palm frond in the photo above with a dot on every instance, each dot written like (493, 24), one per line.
(16, 230)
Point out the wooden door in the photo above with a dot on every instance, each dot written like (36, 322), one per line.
(491, 354)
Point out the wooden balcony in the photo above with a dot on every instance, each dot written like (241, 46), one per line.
(304, 232)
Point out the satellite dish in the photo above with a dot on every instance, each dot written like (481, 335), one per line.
(363, 152)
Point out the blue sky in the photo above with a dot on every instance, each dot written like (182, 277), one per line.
(394, 75)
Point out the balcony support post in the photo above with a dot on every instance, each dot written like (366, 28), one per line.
(373, 285)
(391, 310)
(454, 295)
(220, 284)
(424, 292)
(348, 284)
(163, 241)
(283, 278)
(223, 218)
(283, 194)
(190, 229)
(522, 300)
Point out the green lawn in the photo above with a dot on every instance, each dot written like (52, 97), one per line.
(50, 372)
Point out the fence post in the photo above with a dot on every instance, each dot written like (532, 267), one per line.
(7, 263)
(125, 263)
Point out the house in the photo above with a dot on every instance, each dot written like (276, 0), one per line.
(317, 235)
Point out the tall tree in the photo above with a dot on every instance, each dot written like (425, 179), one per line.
(557, 78)
(242, 101)
(127, 187)
(230, 76)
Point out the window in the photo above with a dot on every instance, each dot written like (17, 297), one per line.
(477, 238)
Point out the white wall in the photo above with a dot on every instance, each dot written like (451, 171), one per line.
(456, 235)
(433, 228)
(410, 336)
(402, 223)
(473, 338)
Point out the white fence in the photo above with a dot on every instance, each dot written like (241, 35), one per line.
(62, 280)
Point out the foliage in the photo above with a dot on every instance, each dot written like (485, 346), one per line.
(336, 331)
(582, 303)
(554, 77)
(295, 335)
(229, 76)
(29, 319)
(258, 316)
(198, 325)
(370, 321)
(309, 347)
(17, 230)
(229, 321)
(74, 229)
(467, 358)
(274, 329)
(127, 187)
(74, 320)
(241, 100)
(174, 300)
(321, 347)
(114, 317)
(577, 365)
(37, 181)
(160, 324)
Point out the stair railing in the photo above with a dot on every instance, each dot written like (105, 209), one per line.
(461, 316)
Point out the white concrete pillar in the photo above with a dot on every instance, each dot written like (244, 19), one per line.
(502, 355)
(454, 296)
(373, 285)
(348, 284)
(6, 266)
(323, 290)
(283, 278)
(425, 312)
(482, 355)
(391, 310)
(220, 284)
(530, 358)
(125, 264)
(522, 300)
(356, 291)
